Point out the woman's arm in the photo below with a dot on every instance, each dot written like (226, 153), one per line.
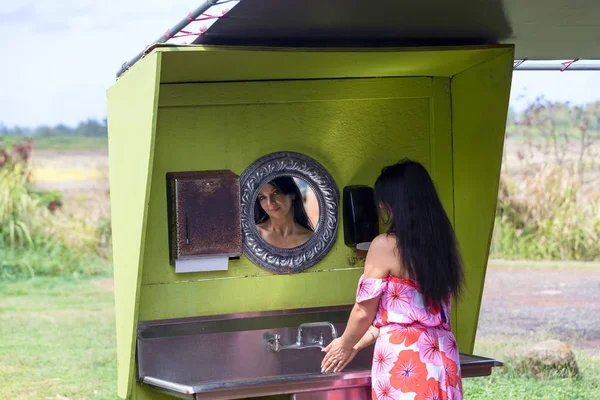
(377, 265)
(368, 339)
(356, 336)
(361, 318)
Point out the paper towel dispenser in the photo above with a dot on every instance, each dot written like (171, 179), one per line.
(204, 219)
(361, 221)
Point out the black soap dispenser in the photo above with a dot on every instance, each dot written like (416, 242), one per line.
(361, 221)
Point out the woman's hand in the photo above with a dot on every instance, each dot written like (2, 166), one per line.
(339, 354)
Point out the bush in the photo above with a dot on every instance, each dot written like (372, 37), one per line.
(51, 200)
(37, 237)
(549, 199)
(546, 214)
(19, 211)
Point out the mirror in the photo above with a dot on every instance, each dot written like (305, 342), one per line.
(286, 212)
(289, 207)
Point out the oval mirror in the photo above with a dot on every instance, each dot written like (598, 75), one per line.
(289, 207)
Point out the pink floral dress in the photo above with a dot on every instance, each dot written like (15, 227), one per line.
(416, 356)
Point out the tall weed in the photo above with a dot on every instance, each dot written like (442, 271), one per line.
(545, 213)
(18, 210)
(38, 236)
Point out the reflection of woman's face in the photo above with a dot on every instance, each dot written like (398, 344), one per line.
(274, 202)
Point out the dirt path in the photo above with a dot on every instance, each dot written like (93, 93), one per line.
(562, 301)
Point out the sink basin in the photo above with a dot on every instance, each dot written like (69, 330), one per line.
(227, 357)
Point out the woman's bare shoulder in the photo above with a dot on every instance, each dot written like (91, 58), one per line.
(381, 259)
(384, 241)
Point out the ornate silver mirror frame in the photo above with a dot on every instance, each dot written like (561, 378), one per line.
(267, 168)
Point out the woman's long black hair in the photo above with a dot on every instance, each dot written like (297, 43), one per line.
(426, 241)
(287, 186)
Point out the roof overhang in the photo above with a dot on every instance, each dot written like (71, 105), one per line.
(561, 30)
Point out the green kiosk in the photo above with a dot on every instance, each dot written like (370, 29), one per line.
(206, 309)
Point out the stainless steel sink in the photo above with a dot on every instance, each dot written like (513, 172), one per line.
(255, 354)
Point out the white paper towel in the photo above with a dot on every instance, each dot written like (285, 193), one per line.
(202, 264)
(363, 246)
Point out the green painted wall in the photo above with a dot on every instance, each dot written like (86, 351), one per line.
(131, 120)
(453, 123)
(352, 137)
(353, 127)
(479, 106)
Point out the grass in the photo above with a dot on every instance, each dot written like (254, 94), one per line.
(53, 260)
(505, 387)
(70, 143)
(546, 265)
(57, 341)
(511, 383)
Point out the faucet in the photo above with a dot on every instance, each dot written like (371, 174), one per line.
(314, 325)
(274, 340)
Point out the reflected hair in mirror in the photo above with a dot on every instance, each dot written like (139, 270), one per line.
(287, 186)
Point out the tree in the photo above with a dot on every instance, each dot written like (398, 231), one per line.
(90, 128)
(570, 134)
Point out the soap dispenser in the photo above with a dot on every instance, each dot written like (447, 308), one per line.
(361, 221)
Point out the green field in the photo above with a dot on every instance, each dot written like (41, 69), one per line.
(510, 382)
(57, 341)
(70, 143)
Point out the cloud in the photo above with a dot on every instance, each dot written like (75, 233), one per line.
(63, 55)
(87, 15)
(21, 14)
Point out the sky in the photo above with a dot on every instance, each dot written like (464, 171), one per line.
(57, 58)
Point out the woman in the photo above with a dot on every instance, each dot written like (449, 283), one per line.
(410, 275)
(280, 216)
